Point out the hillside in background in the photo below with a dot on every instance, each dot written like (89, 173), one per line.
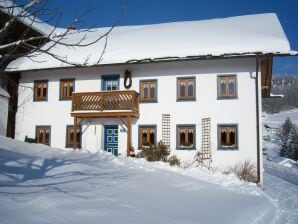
(286, 85)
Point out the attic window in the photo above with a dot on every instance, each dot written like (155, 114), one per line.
(227, 86)
(40, 90)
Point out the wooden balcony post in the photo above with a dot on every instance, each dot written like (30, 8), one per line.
(128, 136)
(75, 133)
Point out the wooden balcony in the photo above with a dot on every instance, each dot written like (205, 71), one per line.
(105, 104)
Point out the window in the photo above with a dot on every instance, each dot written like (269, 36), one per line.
(148, 90)
(70, 136)
(43, 134)
(186, 137)
(40, 90)
(227, 136)
(66, 88)
(227, 86)
(186, 88)
(147, 135)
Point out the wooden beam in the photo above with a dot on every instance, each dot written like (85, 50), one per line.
(75, 133)
(128, 136)
(104, 114)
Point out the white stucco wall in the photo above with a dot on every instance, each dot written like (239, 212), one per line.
(4, 100)
(240, 111)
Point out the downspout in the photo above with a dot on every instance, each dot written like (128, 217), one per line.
(258, 123)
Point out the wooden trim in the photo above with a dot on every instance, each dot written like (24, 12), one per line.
(128, 136)
(68, 95)
(226, 78)
(186, 127)
(44, 128)
(69, 144)
(148, 128)
(105, 104)
(42, 96)
(186, 80)
(149, 98)
(227, 127)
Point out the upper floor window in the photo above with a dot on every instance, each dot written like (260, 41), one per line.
(227, 86)
(43, 134)
(186, 88)
(148, 90)
(186, 137)
(70, 136)
(40, 90)
(227, 136)
(66, 88)
(147, 135)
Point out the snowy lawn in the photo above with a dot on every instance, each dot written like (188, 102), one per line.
(39, 184)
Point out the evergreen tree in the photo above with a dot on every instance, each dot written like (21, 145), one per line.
(288, 140)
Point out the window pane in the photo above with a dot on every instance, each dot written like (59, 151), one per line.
(70, 88)
(232, 136)
(145, 90)
(152, 91)
(38, 94)
(144, 138)
(47, 136)
(40, 136)
(182, 137)
(190, 89)
(223, 137)
(114, 85)
(190, 137)
(231, 87)
(182, 88)
(223, 87)
(152, 136)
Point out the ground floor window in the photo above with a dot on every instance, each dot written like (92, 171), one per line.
(147, 135)
(186, 136)
(43, 134)
(70, 136)
(228, 136)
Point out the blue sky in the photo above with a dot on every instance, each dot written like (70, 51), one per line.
(158, 11)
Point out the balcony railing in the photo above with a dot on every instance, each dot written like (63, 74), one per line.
(106, 102)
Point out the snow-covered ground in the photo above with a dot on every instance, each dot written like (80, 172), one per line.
(39, 184)
(279, 118)
(281, 174)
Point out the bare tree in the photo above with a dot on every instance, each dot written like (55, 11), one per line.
(23, 34)
(20, 33)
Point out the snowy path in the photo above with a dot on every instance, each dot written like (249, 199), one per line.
(286, 196)
(39, 184)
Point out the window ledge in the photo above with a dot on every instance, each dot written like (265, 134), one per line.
(186, 100)
(228, 98)
(149, 101)
(40, 100)
(186, 149)
(228, 149)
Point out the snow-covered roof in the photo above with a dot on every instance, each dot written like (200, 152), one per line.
(241, 35)
(3, 93)
(9, 8)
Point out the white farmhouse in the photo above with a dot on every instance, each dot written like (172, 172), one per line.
(196, 86)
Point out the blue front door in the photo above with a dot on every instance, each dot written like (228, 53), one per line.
(110, 82)
(111, 139)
